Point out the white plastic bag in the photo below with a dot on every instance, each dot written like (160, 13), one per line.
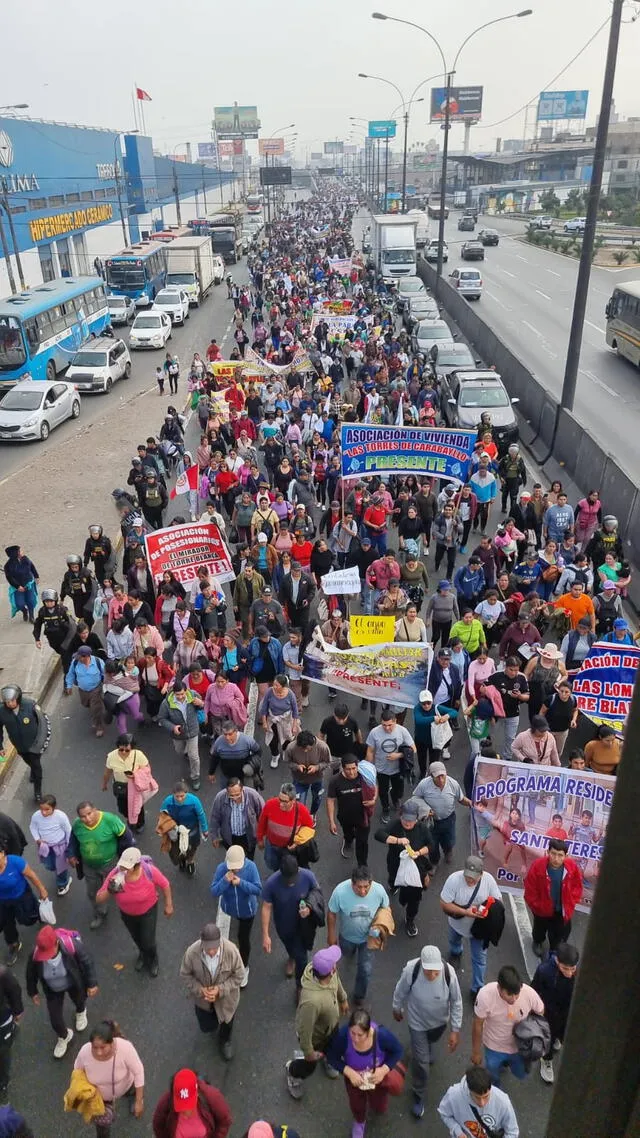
(441, 733)
(408, 872)
(47, 915)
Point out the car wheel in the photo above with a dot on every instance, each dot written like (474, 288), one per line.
(108, 385)
(75, 409)
(45, 430)
(127, 370)
(51, 371)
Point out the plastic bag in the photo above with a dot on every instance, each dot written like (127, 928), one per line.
(408, 872)
(47, 915)
(441, 733)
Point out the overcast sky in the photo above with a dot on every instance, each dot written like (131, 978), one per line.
(78, 62)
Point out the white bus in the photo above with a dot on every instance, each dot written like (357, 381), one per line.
(623, 321)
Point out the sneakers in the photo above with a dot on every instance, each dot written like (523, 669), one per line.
(226, 1050)
(139, 964)
(412, 928)
(538, 949)
(13, 953)
(97, 920)
(274, 762)
(60, 1048)
(330, 1071)
(190, 868)
(385, 819)
(417, 1106)
(546, 1070)
(294, 1086)
(81, 1021)
(304, 701)
(195, 783)
(64, 889)
(557, 1044)
(346, 849)
(154, 969)
(245, 978)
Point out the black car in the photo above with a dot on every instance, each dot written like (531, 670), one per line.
(489, 236)
(466, 392)
(472, 251)
(467, 222)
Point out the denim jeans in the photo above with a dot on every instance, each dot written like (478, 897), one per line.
(273, 855)
(366, 598)
(478, 956)
(444, 831)
(302, 793)
(364, 964)
(49, 862)
(511, 725)
(495, 1060)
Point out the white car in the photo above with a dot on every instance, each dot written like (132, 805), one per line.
(468, 282)
(407, 288)
(218, 269)
(150, 330)
(32, 408)
(428, 333)
(575, 225)
(173, 301)
(98, 364)
(431, 251)
(541, 222)
(122, 309)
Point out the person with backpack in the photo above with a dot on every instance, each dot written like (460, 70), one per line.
(61, 965)
(134, 881)
(429, 992)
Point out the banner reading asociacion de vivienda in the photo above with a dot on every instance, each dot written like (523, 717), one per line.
(387, 673)
(442, 452)
(518, 808)
(604, 685)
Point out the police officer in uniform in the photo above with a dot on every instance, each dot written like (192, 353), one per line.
(77, 584)
(98, 549)
(54, 622)
(28, 729)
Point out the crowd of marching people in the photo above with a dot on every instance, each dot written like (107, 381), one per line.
(511, 602)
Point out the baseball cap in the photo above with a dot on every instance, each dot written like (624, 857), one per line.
(130, 857)
(431, 958)
(437, 769)
(620, 623)
(325, 960)
(46, 944)
(210, 935)
(84, 651)
(444, 584)
(473, 868)
(185, 1090)
(262, 539)
(288, 866)
(608, 585)
(235, 858)
(409, 811)
(266, 591)
(425, 696)
(445, 652)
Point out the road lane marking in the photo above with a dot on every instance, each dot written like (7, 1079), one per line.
(521, 258)
(508, 274)
(600, 383)
(531, 328)
(497, 300)
(553, 272)
(596, 326)
(544, 294)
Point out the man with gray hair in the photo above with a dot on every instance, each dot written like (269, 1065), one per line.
(441, 793)
(429, 992)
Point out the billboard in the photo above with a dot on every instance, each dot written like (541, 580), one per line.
(562, 105)
(350, 149)
(316, 155)
(382, 128)
(270, 146)
(225, 149)
(236, 122)
(207, 150)
(275, 175)
(334, 147)
(464, 103)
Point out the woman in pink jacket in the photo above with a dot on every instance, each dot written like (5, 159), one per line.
(224, 701)
(145, 636)
(113, 1066)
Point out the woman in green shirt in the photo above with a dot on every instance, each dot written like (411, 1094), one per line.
(471, 632)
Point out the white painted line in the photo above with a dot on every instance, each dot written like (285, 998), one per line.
(508, 274)
(544, 294)
(553, 272)
(521, 258)
(497, 299)
(522, 922)
(596, 326)
(223, 920)
(599, 383)
(531, 328)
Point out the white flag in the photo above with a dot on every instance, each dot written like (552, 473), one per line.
(400, 416)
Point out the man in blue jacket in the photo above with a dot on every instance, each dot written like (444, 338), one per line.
(237, 883)
(265, 659)
(554, 982)
(87, 674)
(469, 581)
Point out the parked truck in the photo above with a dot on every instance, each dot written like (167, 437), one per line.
(226, 235)
(393, 245)
(190, 264)
(434, 208)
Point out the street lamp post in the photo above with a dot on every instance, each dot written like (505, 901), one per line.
(447, 73)
(289, 126)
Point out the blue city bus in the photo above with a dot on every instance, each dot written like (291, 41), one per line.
(43, 327)
(139, 272)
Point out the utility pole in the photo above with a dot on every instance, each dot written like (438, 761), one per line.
(584, 268)
(176, 194)
(116, 167)
(443, 184)
(404, 162)
(5, 254)
(204, 192)
(7, 210)
(377, 183)
(386, 172)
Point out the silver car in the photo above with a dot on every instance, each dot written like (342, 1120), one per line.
(32, 408)
(429, 332)
(122, 309)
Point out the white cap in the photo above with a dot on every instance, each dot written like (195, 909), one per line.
(431, 958)
(425, 696)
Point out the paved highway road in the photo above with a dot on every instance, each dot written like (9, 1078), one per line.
(528, 300)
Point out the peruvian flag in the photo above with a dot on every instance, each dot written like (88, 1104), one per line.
(142, 95)
(186, 481)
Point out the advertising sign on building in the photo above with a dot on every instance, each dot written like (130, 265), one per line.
(334, 147)
(182, 549)
(225, 149)
(236, 122)
(382, 128)
(562, 105)
(207, 150)
(270, 146)
(275, 175)
(464, 103)
(315, 156)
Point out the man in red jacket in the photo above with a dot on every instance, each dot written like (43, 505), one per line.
(552, 889)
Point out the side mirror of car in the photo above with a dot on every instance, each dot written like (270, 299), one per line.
(515, 399)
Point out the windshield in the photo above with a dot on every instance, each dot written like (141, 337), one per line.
(411, 286)
(447, 357)
(89, 359)
(470, 276)
(22, 400)
(117, 301)
(397, 256)
(433, 332)
(12, 353)
(179, 279)
(168, 298)
(146, 322)
(493, 396)
(122, 275)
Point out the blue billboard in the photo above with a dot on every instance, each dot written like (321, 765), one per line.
(382, 128)
(562, 105)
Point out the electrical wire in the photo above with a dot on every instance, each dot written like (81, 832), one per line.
(548, 86)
